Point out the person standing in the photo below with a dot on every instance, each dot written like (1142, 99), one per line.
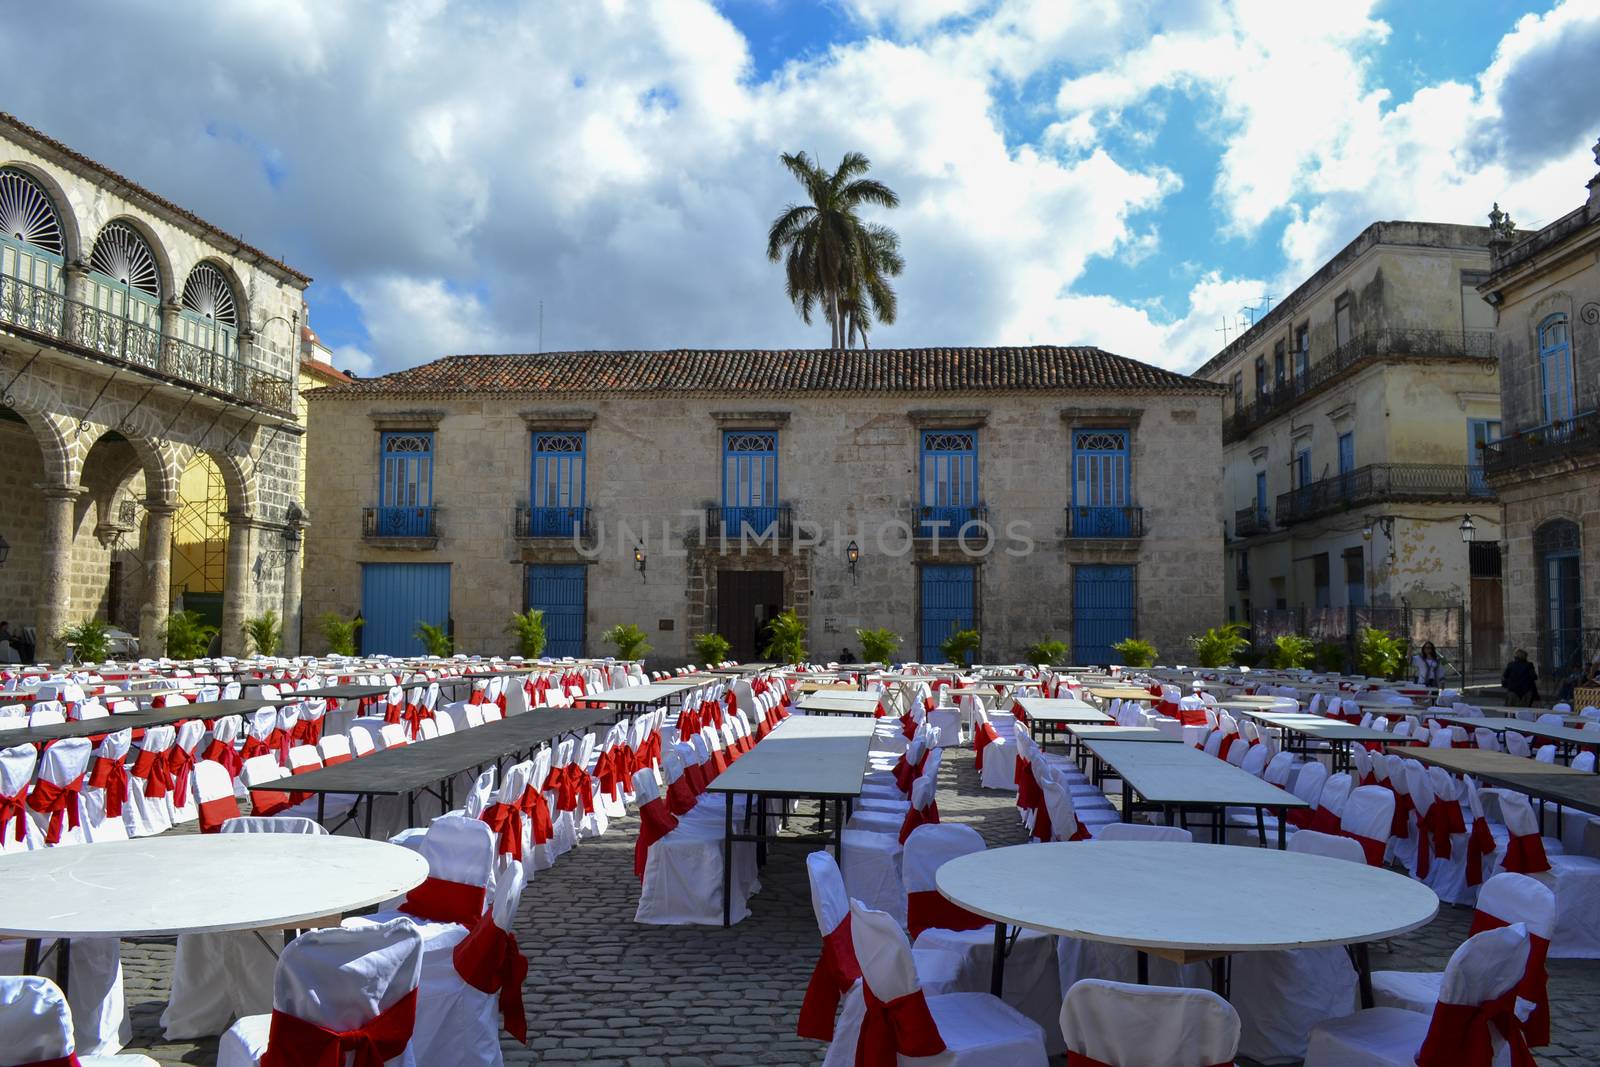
(1520, 681)
(1425, 666)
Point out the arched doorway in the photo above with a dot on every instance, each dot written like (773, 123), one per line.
(1556, 548)
(200, 541)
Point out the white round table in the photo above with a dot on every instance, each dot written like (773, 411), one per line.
(197, 883)
(1161, 898)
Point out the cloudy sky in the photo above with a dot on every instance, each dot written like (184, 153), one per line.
(1122, 173)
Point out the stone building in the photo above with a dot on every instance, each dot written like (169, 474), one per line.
(136, 340)
(1021, 492)
(1355, 416)
(1545, 288)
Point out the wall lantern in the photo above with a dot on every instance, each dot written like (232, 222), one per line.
(638, 560)
(853, 554)
(5, 550)
(1469, 532)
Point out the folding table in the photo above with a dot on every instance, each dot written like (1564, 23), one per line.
(1338, 736)
(632, 699)
(1047, 717)
(837, 703)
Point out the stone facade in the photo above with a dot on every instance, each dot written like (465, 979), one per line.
(1545, 288)
(848, 467)
(102, 413)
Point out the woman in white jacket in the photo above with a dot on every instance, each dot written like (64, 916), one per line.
(1425, 666)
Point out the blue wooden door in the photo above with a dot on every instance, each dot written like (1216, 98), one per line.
(559, 590)
(560, 482)
(405, 486)
(949, 480)
(1555, 369)
(1100, 484)
(947, 606)
(1480, 434)
(749, 482)
(1102, 612)
(395, 597)
(1261, 497)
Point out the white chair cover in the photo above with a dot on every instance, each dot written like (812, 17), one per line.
(1123, 1025)
(36, 1027)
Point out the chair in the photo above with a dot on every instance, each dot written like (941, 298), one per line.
(18, 833)
(329, 983)
(105, 790)
(148, 811)
(36, 1028)
(262, 770)
(56, 799)
(1474, 1020)
(1121, 1025)
(214, 796)
(680, 865)
(220, 977)
(1575, 880)
(180, 771)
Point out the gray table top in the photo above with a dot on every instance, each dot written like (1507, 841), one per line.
(1178, 774)
(655, 693)
(1319, 726)
(1125, 734)
(806, 756)
(832, 702)
(395, 771)
(1579, 790)
(1062, 710)
(1500, 724)
(342, 692)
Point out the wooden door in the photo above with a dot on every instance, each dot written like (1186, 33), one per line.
(746, 601)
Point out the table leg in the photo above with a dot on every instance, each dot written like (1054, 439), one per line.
(727, 863)
(1363, 974)
(1283, 829)
(64, 964)
(30, 956)
(322, 805)
(1127, 801)
(761, 829)
(371, 800)
(838, 829)
(997, 967)
(1219, 976)
(1144, 968)
(411, 807)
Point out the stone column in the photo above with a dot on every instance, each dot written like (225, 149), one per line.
(291, 591)
(157, 577)
(238, 596)
(54, 602)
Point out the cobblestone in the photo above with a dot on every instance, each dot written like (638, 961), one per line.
(604, 990)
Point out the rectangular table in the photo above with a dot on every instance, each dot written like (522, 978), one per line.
(805, 757)
(340, 692)
(428, 766)
(1566, 738)
(140, 720)
(1338, 736)
(1047, 717)
(837, 703)
(633, 698)
(1118, 692)
(1175, 779)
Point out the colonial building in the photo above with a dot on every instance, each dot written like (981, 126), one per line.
(1356, 413)
(1545, 288)
(137, 343)
(1021, 492)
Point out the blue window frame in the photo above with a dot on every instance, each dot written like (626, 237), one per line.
(560, 484)
(948, 605)
(1555, 369)
(749, 481)
(405, 484)
(1347, 453)
(1302, 467)
(1480, 434)
(1261, 496)
(1101, 484)
(1102, 612)
(561, 592)
(948, 475)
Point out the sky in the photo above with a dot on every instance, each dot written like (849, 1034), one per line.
(505, 176)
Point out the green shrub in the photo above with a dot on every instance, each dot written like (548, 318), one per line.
(339, 632)
(187, 635)
(878, 646)
(1219, 644)
(1135, 652)
(1379, 654)
(528, 629)
(90, 640)
(786, 639)
(436, 640)
(961, 646)
(1330, 657)
(711, 648)
(264, 633)
(628, 640)
(1292, 652)
(1046, 652)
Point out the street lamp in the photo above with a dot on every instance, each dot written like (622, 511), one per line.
(1469, 532)
(638, 560)
(853, 554)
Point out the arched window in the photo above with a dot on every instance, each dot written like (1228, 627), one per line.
(1555, 368)
(1556, 550)
(123, 277)
(31, 237)
(210, 313)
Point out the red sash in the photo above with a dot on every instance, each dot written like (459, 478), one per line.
(1535, 984)
(253, 746)
(69, 1060)
(506, 821)
(1444, 819)
(293, 1042)
(179, 766)
(537, 812)
(1227, 743)
(930, 909)
(490, 961)
(213, 813)
(1400, 825)
(836, 971)
(14, 807)
(151, 768)
(1029, 798)
(1480, 846)
(1458, 1035)
(222, 752)
(905, 774)
(107, 773)
(1042, 829)
(56, 800)
(655, 822)
(1078, 1059)
(1324, 821)
(916, 817)
(1371, 847)
(1524, 855)
(984, 736)
(446, 902)
(680, 796)
(269, 801)
(900, 1027)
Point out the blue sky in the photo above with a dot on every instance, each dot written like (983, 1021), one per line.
(1129, 174)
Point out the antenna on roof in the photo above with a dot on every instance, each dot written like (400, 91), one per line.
(1223, 331)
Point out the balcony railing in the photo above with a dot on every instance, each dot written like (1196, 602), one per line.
(49, 315)
(1379, 483)
(1541, 444)
(400, 522)
(953, 520)
(1364, 347)
(1088, 522)
(1241, 576)
(761, 522)
(552, 522)
(1247, 522)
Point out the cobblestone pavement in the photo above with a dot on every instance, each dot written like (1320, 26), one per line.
(604, 990)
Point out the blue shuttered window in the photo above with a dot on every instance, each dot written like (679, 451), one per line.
(749, 482)
(1555, 369)
(948, 602)
(560, 591)
(405, 484)
(395, 597)
(1102, 612)
(560, 484)
(1480, 433)
(1100, 484)
(949, 482)
(1261, 497)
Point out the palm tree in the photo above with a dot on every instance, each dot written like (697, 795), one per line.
(833, 259)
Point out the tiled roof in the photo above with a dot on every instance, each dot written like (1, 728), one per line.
(720, 372)
(159, 201)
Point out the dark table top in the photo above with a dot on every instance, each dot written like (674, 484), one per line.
(395, 771)
(143, 720)
(341, 692)
(1579, 790)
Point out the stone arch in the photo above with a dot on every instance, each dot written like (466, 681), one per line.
(143, 431)
(163, 260)
(71, 234)
(40, 406)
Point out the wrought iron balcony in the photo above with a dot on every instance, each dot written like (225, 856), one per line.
(1541, 444)
(553, 522)
(54, 319)
(1367, 346)
(952, 521)
(1241, 577)
(760, 522)
(400, 523)
(1089, 522)
(1247, 522)
(1380, 483)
